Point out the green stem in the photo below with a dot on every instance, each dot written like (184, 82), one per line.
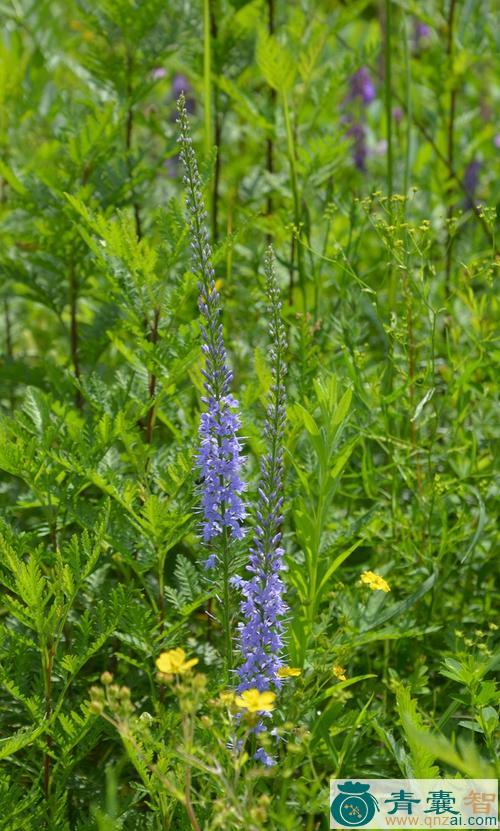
(388, 121)
(408, 108)
(226, 616)
(207, 75)
(48, 654)
(270, 143)
(450, 144)
(388, 97)
(217, 127)
(74, 332)
(296, 200)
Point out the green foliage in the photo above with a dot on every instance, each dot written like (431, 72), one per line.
(390, 311)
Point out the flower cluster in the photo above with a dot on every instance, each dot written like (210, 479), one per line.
(361, 86)
(375, 581)
(174, 662)
(339, 672)
(219, 458)
(263, 607)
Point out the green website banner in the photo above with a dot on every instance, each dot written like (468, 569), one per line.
(413, 803)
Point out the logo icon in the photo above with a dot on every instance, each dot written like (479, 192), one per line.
(353, 806)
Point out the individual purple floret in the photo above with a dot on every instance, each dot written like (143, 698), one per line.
(361, 86)
(219, 458)
(261, 631)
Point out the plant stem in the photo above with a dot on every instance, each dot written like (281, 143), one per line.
(8, 329)
(150, 418)
(217, 132)
(47, 663)
(296, 200)
(270, 142)
(388, 121)
(74, 337)
(388, 97)
(450, 142)
(207, 73)
(408, 107)
(129, 128)
(189, 805)
(226, 615)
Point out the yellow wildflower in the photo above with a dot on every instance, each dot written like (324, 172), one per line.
(255, 701)
(174, 662)
(375, 581)
(339, 672)
(289, 672)
(227, 697)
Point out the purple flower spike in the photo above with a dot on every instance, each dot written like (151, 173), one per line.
(361, 86)
(262, 606)
(219, 457)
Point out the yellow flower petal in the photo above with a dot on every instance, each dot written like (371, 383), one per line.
(375, 581)
(227, 697)
(174, 662)
(289, 672)
(255, 701)
(339, 672)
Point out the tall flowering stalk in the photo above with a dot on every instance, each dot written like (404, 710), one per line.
(219, 458)
(262, 606)
(362, 90)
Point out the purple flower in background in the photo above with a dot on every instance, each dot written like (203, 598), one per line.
(470, 182)
(359, 149)
(421, 32)
(219, 458)
(361, 86)
(261, 631)
(181, 86)
(397, 114)
(362, 89)
(172, 166)
(261, 756)
(496, 140)
(158, 73)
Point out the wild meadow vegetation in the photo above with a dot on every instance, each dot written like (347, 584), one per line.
(247, 406)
